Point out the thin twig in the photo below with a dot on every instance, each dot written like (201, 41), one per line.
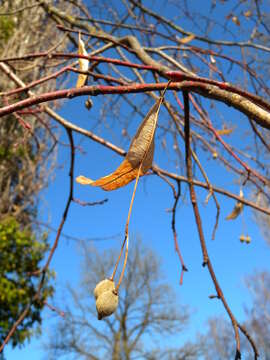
(243, 104)
(206, 260)
(55, 309)
(120, 151)
(175, 237)
(91, 203)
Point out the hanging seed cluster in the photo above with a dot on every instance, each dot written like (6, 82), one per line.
(137, 162)
(106, 298)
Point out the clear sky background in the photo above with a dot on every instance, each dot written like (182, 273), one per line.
(104, 225)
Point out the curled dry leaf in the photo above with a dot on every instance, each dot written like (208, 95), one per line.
(83, 63)
(212, 59)
(236, 20)
(225, 131)
(186, 39)
(139, 156)
(238, 208)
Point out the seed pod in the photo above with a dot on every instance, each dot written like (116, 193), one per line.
(106, 304)
(102, 286)
(248, 239)
(242, 238)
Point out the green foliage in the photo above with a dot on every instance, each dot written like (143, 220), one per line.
(6, 28)
(20, 181)
(20, 256)
(21, 252)
(23, 173)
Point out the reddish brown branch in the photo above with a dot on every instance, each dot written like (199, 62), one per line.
(228, 164)
(55, 309)
(176, 76)
(203, 172)
(261, 116)
(235, 156)
(38, 82)
(206, 260)
(180, 76)
(69, 200)
(98, 59)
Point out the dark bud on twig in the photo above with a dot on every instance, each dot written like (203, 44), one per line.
(88, 103)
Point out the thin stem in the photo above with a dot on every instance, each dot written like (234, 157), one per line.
(206, 260)
(133, 196)
(175, 237)
(126, 233)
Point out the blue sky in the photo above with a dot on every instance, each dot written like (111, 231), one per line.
(231, 259)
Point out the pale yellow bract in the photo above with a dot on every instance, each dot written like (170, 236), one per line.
(83, 63)
(139, 157)
(238, 208)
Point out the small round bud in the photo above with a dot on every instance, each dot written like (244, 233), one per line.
(106, 304)
(102, 286)
(88, 104)
(248, 239)
(242, 238)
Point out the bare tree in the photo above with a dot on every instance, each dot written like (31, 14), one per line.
(217, 342)
(258, 317)
(147, 309)
(130, 53)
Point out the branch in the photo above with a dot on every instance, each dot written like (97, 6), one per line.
(244, 105)
(206, 259)
(180, 30)
(176, 245)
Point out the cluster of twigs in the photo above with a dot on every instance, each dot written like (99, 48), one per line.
(125, 68)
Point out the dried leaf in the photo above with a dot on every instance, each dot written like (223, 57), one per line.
(225, 131)
(186, 39)
(236, 20)
(139, 157)
(212, 59)
(236, 210)
(247, 14)
(83, 63)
